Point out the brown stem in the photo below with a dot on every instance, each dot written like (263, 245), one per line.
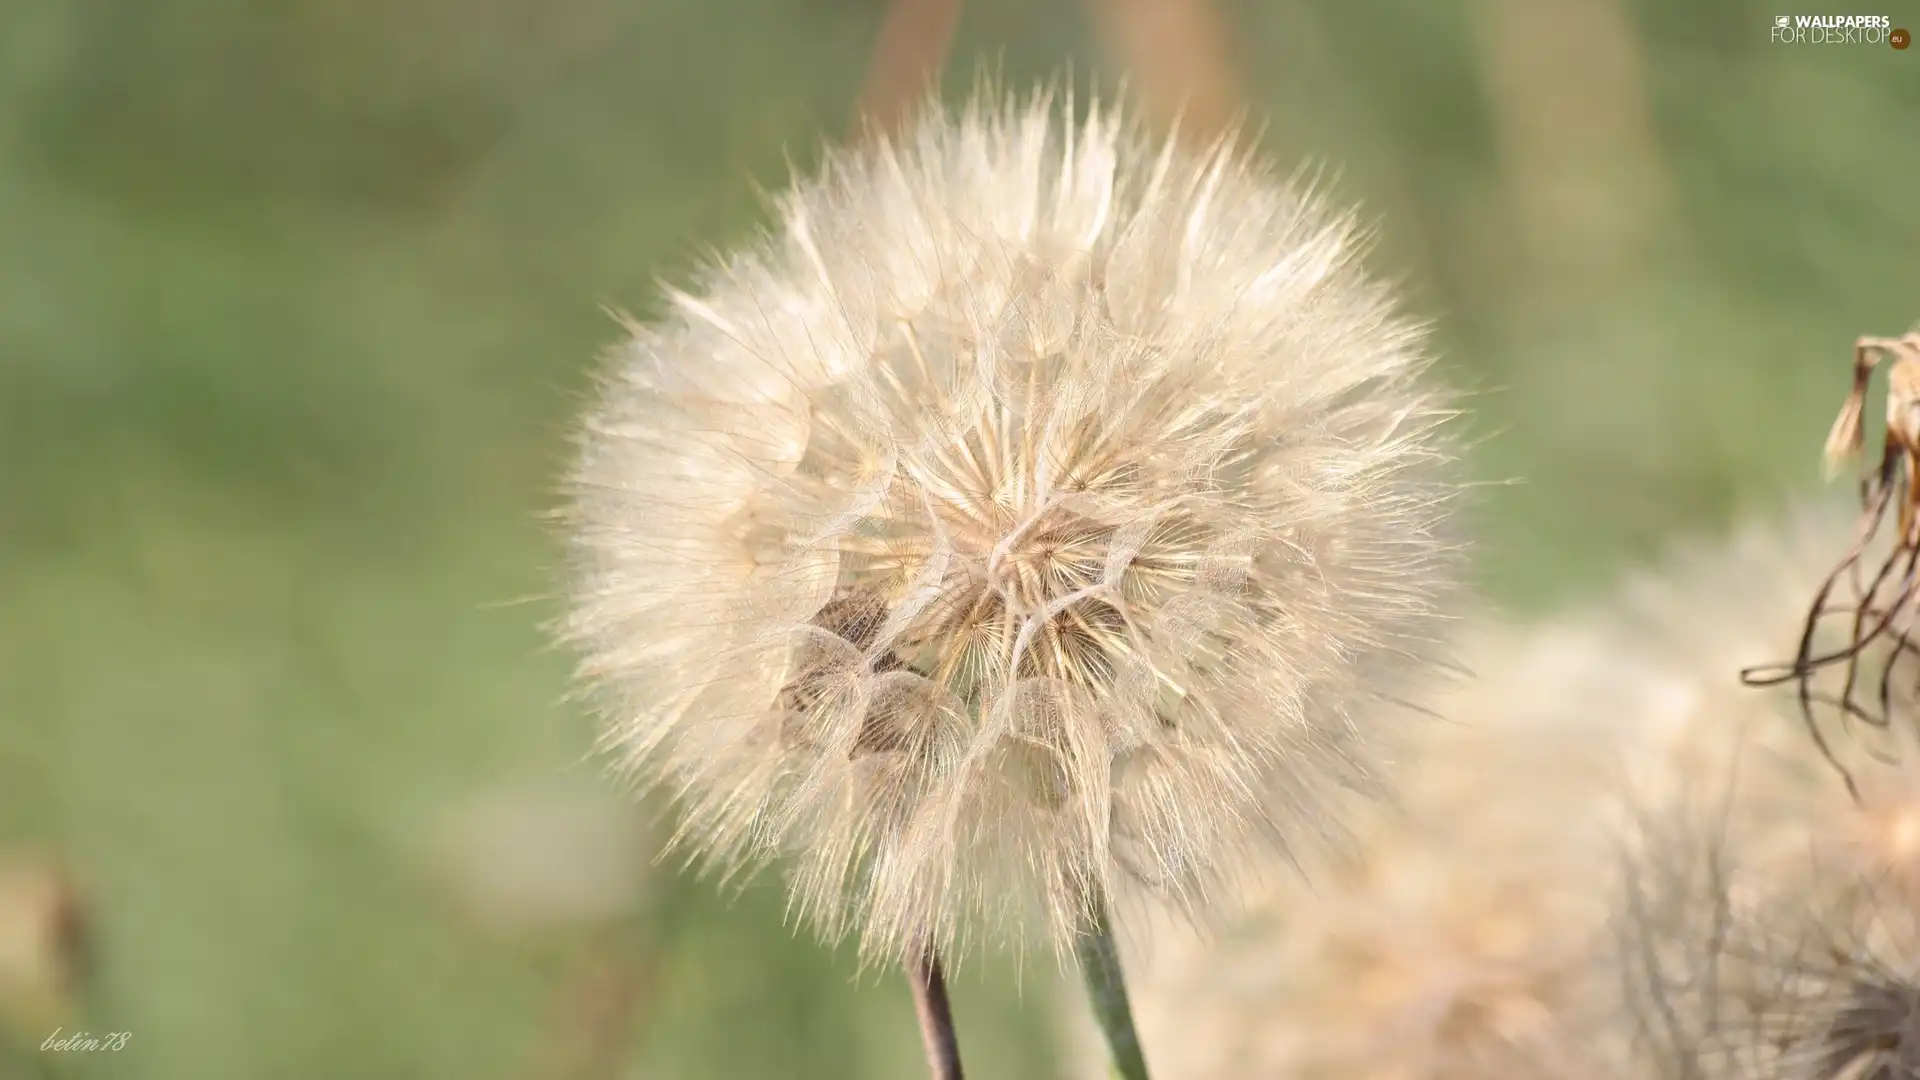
(936, 1016)
(1179, 56)
(907, 61)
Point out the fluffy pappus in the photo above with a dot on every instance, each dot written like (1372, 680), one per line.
(1507, 915)
(1709, 612)
(1460, 940)
(1766, 926)
(1759, 948)
(1040, 512)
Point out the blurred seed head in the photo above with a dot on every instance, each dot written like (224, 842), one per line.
(525, 859)
(1486, 928)
(1713, 610)
(1775, 933)
(1041, 510)
(1766, 923)
(1460, 940)
(41, 945)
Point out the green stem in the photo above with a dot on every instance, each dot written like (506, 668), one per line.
(1099, 957)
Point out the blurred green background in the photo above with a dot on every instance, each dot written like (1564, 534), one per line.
(297, 300)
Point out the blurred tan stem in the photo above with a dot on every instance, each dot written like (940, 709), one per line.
(1179, 56)
(1573, 124)
(1099, 957)
(603, 998)
(908, 58)
(930, 1004)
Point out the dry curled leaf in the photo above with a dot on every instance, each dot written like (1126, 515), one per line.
(1857, 638)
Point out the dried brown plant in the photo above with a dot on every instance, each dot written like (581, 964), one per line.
(1454, 943)
(1857, 648)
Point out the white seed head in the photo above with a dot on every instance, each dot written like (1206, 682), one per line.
(1461, 942)
(1498, 918)
(1774, 930)
(1712, 611)
(1041, 510)
(1765, 926)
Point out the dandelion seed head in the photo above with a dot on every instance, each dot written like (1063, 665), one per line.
(1767, 927)
(1857, 651)
(1039, 509)
(1494, 921)
(1459, 941)
(1762, 948)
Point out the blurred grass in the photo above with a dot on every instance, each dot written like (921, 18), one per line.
(296, 302)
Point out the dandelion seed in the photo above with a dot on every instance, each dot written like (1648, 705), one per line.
(1460, 941)
(1737, 839)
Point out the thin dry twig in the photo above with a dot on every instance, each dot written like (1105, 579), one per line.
(1876, 612)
